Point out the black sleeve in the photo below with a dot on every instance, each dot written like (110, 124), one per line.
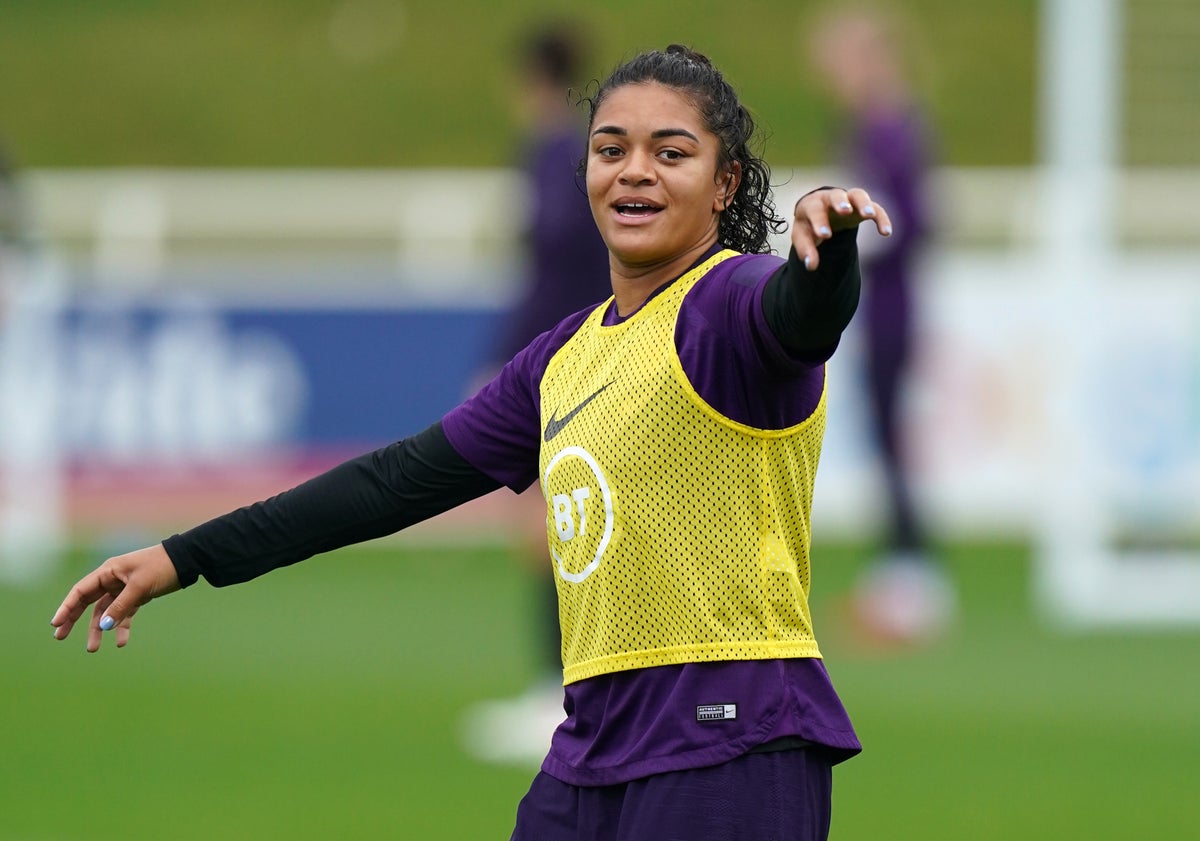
(807, 311)
(367, 497)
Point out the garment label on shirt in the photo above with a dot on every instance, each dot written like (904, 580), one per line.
(716, 712)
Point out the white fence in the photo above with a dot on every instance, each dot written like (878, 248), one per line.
(134, 222)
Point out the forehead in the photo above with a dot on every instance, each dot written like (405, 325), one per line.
(648, 103)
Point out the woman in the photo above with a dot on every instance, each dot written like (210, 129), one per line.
(906, 596)
(675, 430)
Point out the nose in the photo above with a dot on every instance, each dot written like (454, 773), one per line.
(638, 168)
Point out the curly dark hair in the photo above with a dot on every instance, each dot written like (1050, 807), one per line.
(750, 217)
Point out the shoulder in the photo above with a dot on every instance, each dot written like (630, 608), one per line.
(898, 138)
(526, 368)
(726, 300)
(746, 269)
(737, 276)
(498, 428)
(550, 342)
(753, 269)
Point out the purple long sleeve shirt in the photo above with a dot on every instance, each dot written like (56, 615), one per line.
(631, 724)
(889, 154)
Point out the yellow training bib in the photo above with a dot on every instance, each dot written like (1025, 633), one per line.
(677, 534)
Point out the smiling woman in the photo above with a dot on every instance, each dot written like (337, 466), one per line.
(656, 189)
(675, 430)
(693, 129)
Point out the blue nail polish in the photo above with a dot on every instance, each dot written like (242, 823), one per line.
(106, 622)
(869, 210)
(887, 230)
(824, 232)
(844, 206)
(807, 261)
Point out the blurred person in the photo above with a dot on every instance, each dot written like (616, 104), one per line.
(886, 143)
(675, 430)
(567, 271)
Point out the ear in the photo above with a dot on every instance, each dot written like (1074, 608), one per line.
(728, 181)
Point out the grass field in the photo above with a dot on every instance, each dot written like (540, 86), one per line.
(382, 83)
(323, 701)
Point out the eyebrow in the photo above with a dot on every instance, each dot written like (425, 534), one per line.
(656, 135)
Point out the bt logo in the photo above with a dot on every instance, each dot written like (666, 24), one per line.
(573, 534)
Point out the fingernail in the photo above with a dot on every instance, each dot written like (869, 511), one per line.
(824, 232)
(106, 622)
(807, 262)
(869, 210)
(844, 206)
(887, 230)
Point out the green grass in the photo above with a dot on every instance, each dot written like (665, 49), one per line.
(226, 83)
(324, 701)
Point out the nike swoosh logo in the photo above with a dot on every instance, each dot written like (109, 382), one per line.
(555, 425)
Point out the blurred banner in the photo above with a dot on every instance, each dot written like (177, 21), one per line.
(147, 410)
(199, 380)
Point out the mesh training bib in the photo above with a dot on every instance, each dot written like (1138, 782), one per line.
(677, 534)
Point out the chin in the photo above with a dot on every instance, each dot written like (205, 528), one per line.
(633, 250)
(636, 256)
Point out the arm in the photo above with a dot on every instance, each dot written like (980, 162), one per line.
(810, 301)
(371, 496)
(807, 311)
(367, 497)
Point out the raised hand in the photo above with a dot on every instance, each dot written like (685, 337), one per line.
(822, 213)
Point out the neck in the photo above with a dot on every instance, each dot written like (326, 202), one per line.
(634, 284)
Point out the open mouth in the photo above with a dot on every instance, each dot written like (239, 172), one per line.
(636, 210)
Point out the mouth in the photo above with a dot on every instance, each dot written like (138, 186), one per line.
(636, 209)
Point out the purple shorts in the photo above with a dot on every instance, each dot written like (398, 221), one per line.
(779, 796)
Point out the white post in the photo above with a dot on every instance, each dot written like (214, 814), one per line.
(32, 531)
(1079, 86)
(1084, 579)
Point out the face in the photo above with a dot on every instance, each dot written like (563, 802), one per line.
(872, 68)
(652, 176)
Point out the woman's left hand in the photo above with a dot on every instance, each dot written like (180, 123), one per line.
(822, 213)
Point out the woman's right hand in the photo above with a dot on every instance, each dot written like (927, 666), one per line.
(117, 588)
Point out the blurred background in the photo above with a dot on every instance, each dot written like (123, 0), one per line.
(241, 242)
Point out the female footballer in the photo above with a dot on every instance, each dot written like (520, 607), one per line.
(675, 431)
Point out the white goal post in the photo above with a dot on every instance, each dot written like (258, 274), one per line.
(1085, 576)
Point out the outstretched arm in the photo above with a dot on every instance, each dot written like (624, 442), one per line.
(371, 496)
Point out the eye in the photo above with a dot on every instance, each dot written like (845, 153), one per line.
(609, 151)
(671, 154)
